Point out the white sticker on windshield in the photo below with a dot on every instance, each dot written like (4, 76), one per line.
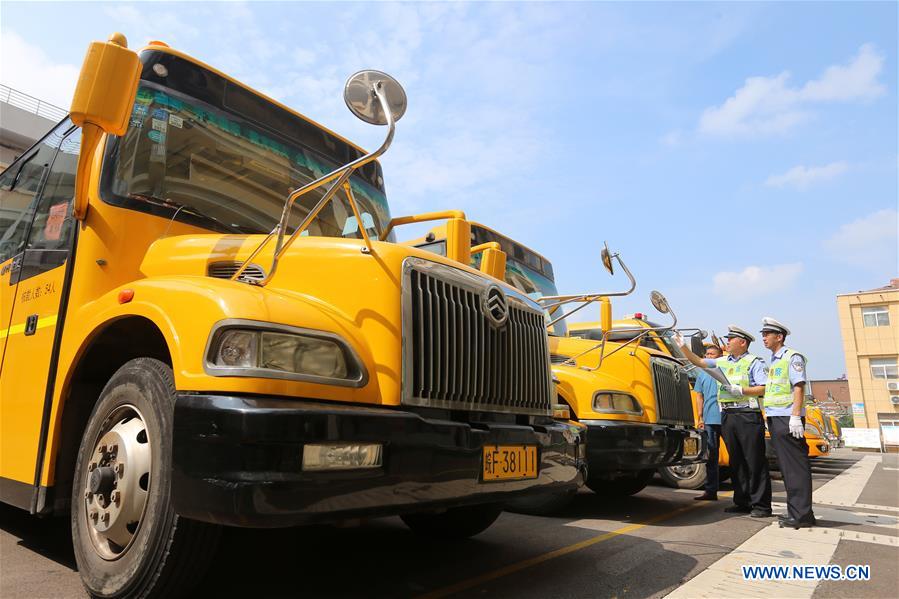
(176, 121)
(159, 125)
(351, 226)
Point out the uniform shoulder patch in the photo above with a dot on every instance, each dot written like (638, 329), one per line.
(798, 364)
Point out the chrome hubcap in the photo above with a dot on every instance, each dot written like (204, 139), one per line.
(117, 482)
(684, 471)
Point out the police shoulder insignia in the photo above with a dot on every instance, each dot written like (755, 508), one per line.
(798, 366)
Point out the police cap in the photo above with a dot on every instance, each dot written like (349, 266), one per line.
(770, 325)
(735, 331)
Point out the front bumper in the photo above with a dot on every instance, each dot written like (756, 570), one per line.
(616, 445)
(238, 461)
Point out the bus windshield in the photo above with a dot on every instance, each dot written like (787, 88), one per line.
(205, 151)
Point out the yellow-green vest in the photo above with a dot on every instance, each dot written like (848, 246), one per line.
(737, 372)
(778, 390)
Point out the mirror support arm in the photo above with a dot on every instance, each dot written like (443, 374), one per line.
(90, 140)
(342, 174)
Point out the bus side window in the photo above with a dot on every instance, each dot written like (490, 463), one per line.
(49, 240)
(19, 190)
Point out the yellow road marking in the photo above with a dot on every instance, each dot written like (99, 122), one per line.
(522, 565)
(42, 322)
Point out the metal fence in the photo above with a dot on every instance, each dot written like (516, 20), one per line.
(31, 104)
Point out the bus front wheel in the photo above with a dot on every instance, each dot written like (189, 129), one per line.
(127, 539)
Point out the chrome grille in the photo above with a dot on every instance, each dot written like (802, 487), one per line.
(672, 389)
(226, 270)
(456, 357)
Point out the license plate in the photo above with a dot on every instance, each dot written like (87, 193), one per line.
(691, 447)
(510, 462)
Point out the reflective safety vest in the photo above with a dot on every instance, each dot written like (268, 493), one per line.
(779, 390)
(737, 372)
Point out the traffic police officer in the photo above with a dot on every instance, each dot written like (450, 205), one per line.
(784, 409)
(742, 425)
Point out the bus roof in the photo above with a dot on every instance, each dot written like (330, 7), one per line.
(157, 46)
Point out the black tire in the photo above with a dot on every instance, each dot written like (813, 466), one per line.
(690, 476)
(542, 505)
(624, 486)
(455, 523)
(165, 553)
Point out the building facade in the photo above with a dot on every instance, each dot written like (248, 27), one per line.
(869, 323)
(24, 119)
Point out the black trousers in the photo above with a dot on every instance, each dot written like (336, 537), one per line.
(713, 435)
(744, 435)
(792, 455)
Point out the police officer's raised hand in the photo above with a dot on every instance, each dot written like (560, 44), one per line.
(735, 390)
(796, 428)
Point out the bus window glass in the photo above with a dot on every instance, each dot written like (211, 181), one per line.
(21, 183)
(206, 166)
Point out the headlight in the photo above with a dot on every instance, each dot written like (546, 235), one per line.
(247, 348)
(606, 401)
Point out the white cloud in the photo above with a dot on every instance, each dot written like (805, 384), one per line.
(801, 177)
(770, 105)
(869, 242)
(756, 281)
(26, 68)
(672, 138)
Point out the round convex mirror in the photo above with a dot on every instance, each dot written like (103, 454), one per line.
(360, 98)
(659, 302)
(606, 258)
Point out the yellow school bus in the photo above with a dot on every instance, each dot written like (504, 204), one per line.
(693, 475)
(206, 321)
(635, 400)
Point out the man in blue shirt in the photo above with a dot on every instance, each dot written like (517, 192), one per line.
(710, 423)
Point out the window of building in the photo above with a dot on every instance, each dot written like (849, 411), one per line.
(876, 316)
(884, 368)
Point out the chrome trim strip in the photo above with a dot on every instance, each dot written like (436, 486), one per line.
(354, 363)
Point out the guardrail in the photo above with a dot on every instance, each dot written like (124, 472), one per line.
(33, 105)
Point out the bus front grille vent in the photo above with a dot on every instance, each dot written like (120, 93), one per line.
(456, 355)
(226, 270)
(672, 389)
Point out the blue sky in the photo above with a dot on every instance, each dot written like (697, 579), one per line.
(742, 157)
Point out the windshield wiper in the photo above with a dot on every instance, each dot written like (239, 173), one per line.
(167, 203)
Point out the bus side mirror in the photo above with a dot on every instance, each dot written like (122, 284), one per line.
(697, 346)
(458, 240)
(493, 263)
(102, 102)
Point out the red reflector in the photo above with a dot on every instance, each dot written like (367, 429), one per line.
(639, 315)
(126, 295)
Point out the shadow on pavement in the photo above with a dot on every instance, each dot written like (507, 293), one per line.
(49, 537)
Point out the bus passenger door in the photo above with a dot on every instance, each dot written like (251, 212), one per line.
(33, 286)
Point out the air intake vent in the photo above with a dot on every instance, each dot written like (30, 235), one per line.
(672, 392)
(226, 270)
(460, 355)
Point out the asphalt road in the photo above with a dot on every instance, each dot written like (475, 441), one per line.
(645, 546)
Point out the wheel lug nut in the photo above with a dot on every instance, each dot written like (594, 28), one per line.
(120, 469)
(102, 449)
(105, 517)
(113, 448)
(116, 497)
(91, 467)
(88, 495)
(94, 516)
(100, 498)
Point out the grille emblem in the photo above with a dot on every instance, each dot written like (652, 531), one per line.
(495, 306)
